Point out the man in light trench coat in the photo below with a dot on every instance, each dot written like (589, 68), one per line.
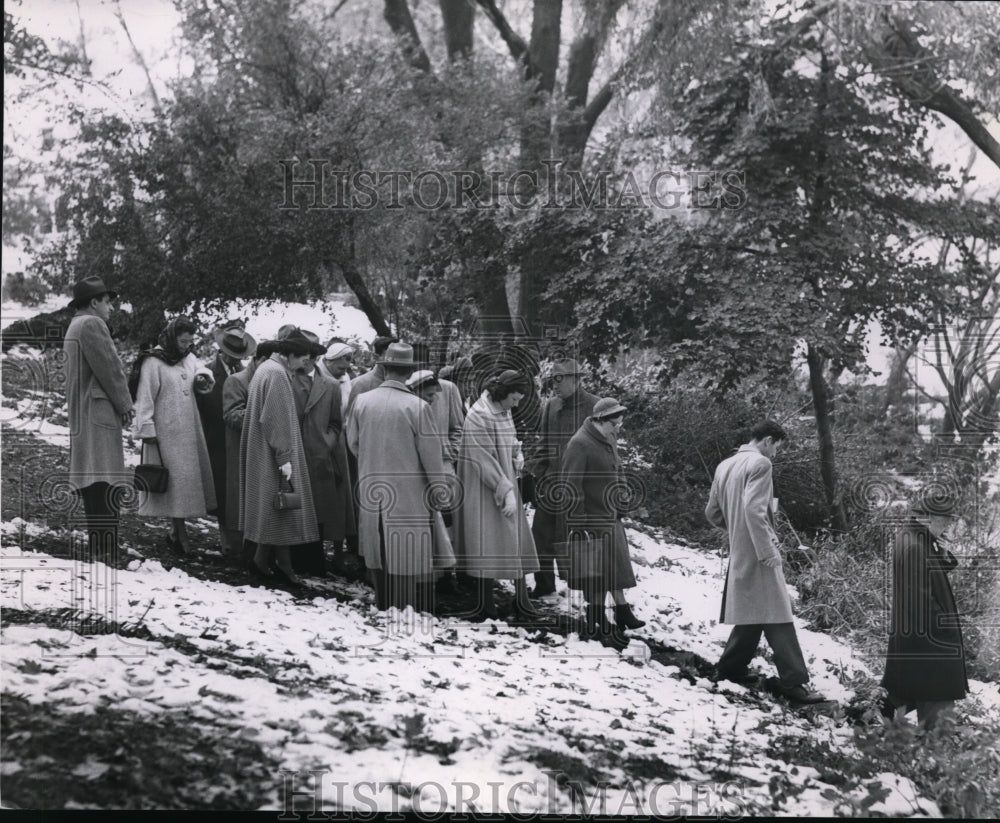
(755, 598)
(99, 405)
(401, 480)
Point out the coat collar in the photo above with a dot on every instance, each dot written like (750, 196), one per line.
(589, 429)
(321, 384)
(395, 384)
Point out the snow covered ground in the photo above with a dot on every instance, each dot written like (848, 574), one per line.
(447, 708)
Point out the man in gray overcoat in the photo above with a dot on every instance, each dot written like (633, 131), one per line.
(401, 481)
(755, 598)
(99, 406)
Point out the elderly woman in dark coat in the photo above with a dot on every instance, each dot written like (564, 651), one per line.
(598, 559)
(273, 459)
(491, 531)
(925, 661)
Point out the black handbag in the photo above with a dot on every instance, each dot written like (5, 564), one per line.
(150, 477)
(580, 557)
(287, 500)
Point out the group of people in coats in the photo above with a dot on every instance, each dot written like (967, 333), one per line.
(424, 476)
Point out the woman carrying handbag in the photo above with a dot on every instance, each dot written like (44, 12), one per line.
(597, 556)
(166, 380)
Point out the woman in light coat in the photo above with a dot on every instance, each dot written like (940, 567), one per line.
(492, 537)
(272, 457)
(169, 425)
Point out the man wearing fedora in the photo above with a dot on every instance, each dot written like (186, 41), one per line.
(99, 406)
(372, 378)
(235, 346)
(562, 416)
(401, 482)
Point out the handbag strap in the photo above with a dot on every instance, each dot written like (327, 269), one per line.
(142, 445)
(281, 479)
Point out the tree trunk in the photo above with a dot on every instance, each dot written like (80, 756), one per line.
(824, 433)
(397, 15)
(459, 18)
(908, 64)
(895, 387)
(366, 302)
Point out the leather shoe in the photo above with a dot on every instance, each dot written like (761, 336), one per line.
(800, 694)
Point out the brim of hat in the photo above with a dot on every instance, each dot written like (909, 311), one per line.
(76, 304)
(611, 413)
(410, 364)
(251, 348)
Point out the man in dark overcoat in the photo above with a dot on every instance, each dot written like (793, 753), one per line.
(562, 416)
(925, 660)
(99, 406)
(235, 346)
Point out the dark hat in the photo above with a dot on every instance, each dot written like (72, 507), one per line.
(88, 288)
(398, 354)
(607, 407)
(296, 341)
(318, 349)
(382, 342)
(237, 343)
(936, 500)
(567, 368)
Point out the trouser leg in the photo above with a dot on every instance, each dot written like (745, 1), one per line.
(542, 529)
(380, 577)
(740, 650)
(101, 509)
(788, 659)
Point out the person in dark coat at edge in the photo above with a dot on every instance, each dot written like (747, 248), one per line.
(755, 599)
(235, 346)
(925, 659)
(99, 406)
(234, 406)
(562, 415)
(592, 468)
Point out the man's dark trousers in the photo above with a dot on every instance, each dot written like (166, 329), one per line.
(102, 508)
(742, 647)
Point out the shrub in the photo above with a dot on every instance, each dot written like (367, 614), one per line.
(29, 290)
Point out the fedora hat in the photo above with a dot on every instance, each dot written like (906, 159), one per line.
(237, 343)
(398, 354)
(567, 368)
(227, 325)
(607, 407)
(88, 288)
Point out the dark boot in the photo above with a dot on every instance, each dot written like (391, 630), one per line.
(611, 638)
(486, 608)
(598, 627)
(545, 584)
(625, 618)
